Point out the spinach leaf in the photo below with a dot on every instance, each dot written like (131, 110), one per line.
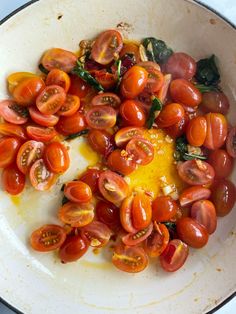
(181, 153)
(204, 88)
(156, 50)
(72, 136)
(207, 72)
(43, 69)
(156, 106)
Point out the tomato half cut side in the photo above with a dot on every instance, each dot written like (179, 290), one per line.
(101, 117)
(132, 239)
(204, 212)
(124, 135)
(155, 81)
(157, 241)
(12, 112)
(193, 194)
(42, 134)
(13, 181)
(56, 157)
(40, 177)
(126, 214)
(41, 119)
(73, 248)
(78, 191)
(71, 124)
(106, 99)
(70, 106)
(97, 233)
(141, 150)
(9, 147)
(231, 143)
(51, 99)
(106, 79)
(57, 58)
(58, 77)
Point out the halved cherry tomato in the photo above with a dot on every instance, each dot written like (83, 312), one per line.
(47, 238)
(100, 141)
(193, 194)
(164, 208)
(70, 106)
(179, 128)
(155, 80)
(72, 249)
(76, 214)
(129, 259)
(204, 212)
(131, 49)
(40, 177)
(215, 102)
(174, 256)
(9, 129)
(56, 157)
(15, 78)
(106, 79)
(79, 87)
(51, 99)
(196, 131)
(181, 65)
(41, 134)
(90, 177)
(157, 241)
(13, 181)
(78, 191)
(196, 172)
(101, 117)
(137, 237)
(97, 234)
(106, 99)
(124, 135)
(72, 124)
(107, 46)
(13, 113)
(9, 147)
(29, 152)
(170, 115)
(217, 127)
(133, 82)
(162, 94)
(108, 213)
(57, 58)
(140, 150)
(222, 162)
(185, 92)
(113, 187)
(120, 161)
(149, 65)
(59, 78)
(41, 119)
(132, 113)
(231, 143)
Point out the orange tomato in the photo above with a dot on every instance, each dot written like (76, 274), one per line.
(196, 131)
(56, 157)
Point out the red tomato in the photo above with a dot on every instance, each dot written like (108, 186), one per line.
(149, 65)
(51, 99)
(174, 256)
(29, 152)
(97, 233)
(197, 131)
(56, 157)
(129, 259)
(217, 127)
(155, 81)
(133, 82)
(9, 147)
(101, 117)
(47, 238)
(126, 214)
(124, 135)
(132, 239)
(204, 212)
(140, 150)
(107, 46)
(16, 77)
(191, 232)
(79, 87)
(132, 113)
(100, 141)
(112, 187)
(13, 113)
(78, 192)
(72, 249)
(193, 194)
(158, 240)
(231, 143)
(164, 208)
(223, 196)
(170, 115)
(162, 94)
(108, 213)
(196, 172)
(106, 79)
(120, 162)
(106, 99)
(179, 128)
(131, 49)
(41, 134)
(181, 65)
(70, 106)
(13, 181)
(76, 214)
(90, 177)
(40, 177)
(41, 119)
(59, 78)
(222, 162)
(57, 58)
(215, 102)
(72, 124)
(9, 129)
(185, 92)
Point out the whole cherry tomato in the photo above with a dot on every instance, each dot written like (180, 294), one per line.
(72, 249)
(185, 92)
(121, 162)
(100, 141)
(179, 128)
(9, 147)
(181, 65)
(72, 124)
(78, 87)
(57, 58)
(217, 127)
(56, 157)
(13, 181)
(170, 115)
(196, 131)
(215, 102)
(164, 208)
(124, 135)
(90, 177)
(17, 77)
(222, 162)
(78, 191)
(108, 213)
(132, 113)
(231, 143)
(204, 212)
(59, 78)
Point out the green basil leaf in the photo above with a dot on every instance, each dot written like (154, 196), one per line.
(156, 106)
(43, 69)
(72, 136)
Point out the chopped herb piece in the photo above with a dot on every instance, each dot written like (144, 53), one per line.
(72, 136)
(156, 50)
(43, 69)
(156, 107)
(207, 72)
(182, 153)
(204, 88)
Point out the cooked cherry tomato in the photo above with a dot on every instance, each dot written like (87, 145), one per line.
(112, 187)
(106, 47)
(149, 65)
(41, 119)
(223, 196)
(120, 161)
(170, 115)
(100, 141)
(57, 58)
(196, 172)
(78, 191)
(76, 214)
(108, 213)
(179, 128)
(140, 150)
(97, 234)
(59, 78)
(157, 241)
(72, 124)
(196, 131)
(155, 80)
(181, 65)
(106, 99)
(204, 212)
(29, 152)
(13, 113)
(174, 256)
(40, 177)
(90, 177)
(222, 162)
(162, 94)
(56, 157)
(133, 82)
(193, 194)
(132, 113)
(101, 117)
(164, 208)
(138, 237)
(185, 92)
(47, 238)
(215, 102)
(9, 147)
(79, 87)
(9, 129)
(129, 259)
(131, 49)
(231, 143)
(70, 106)
(106, 79)
(41, 134)
(13, 181)
(124, 135)
(51, 99)
(72, 249)
(15, 78)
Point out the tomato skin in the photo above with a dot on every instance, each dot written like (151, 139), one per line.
(101, 117)
(13, 113)
(162, 94)
(132, 113)
(133, 82)
(97, 233)
(15, 78)
(132, 239)
(78, 87)
(106, 79)
(124, 135)
(222, 162)
(50, 100)
(193, 194)
(181, 65)
(70, 106)
(9, 147)
(72, 249)
(217, 127)
(78, 192)
(131, 48)
(140, 150)
(185, 92)
(41, 119)
(40, 178)
(9, 129)
(164, 208)
(57, 58)
(41, 134)
(72, 124)
(157, 241)
(100, 141)
(231, 143)
(56, 157)
(170, 115)
(155, 81)
(204, 212)
(120, 162)
(90, 177)
(196, 131)
(108, 213)
(106, 99)
(141, 211)
(191, 232)
(126, 214)
(178, 129)
(215, 102)
(13, 181)
(59, 78)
